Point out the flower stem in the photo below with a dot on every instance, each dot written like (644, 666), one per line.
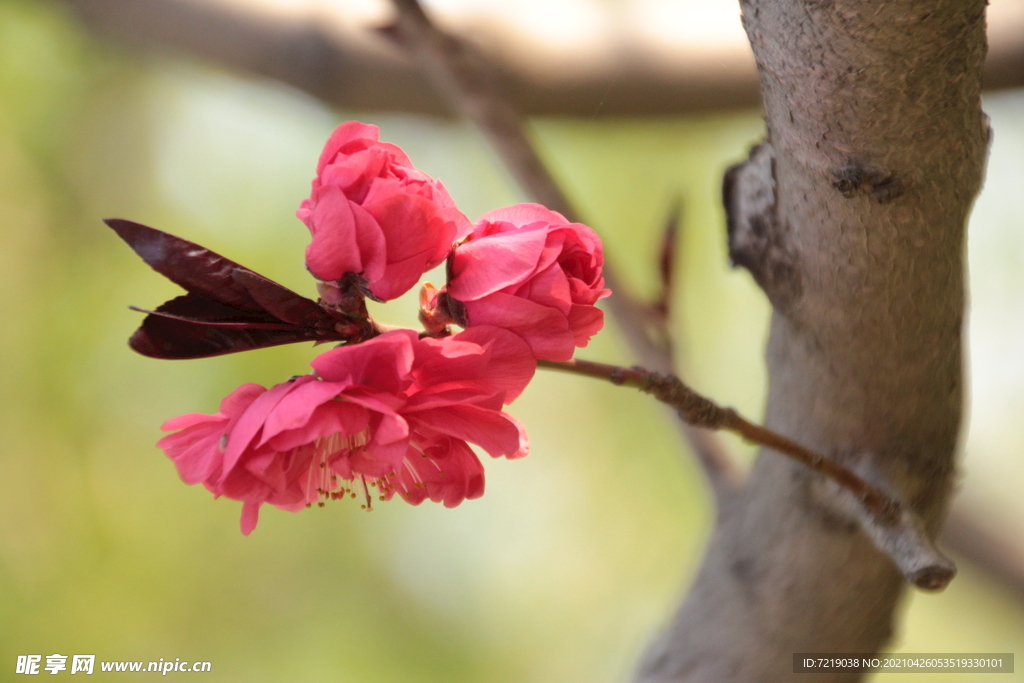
(699, 411)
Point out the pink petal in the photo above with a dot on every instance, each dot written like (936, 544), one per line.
(548, 288)
(447, 360)
(336, 417)
(412, 223)
(523, 214)
(391, 429)
(399, 278)
(485, 359)
(241, 398)
(452, 394)
(342, 467)
(585, 322)
(344, 135)
(354, 173)
(524, 441)
(371, 244)
(491, 430)
(306, 209)
(583, 293)
(488, 264)
(510, 361)
(447, 471)
(189, 420)
(268, 466)
(552, 251)
(334, 249)
(250, 516)
(195, 451)
(383, 362)
(377, 402)
(385, 452)
(545, 329)
(399, 162)
(252, 421)
(240, 484)
(296, 407)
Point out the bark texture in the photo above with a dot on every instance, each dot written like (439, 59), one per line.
(851, 217)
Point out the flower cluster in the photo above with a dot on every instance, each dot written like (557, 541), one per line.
(396, 413)
(527, 269)
(374, 216)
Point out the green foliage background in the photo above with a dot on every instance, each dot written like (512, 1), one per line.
(568, 565)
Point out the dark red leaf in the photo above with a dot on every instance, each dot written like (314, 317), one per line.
(171, 338)
(192, 308)
(282, 302)
(228, 307)
(187, 264)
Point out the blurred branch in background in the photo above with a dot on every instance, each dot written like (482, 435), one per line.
(640, 57)
(999, 555)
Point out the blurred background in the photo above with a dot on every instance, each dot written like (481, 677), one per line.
(577, 554)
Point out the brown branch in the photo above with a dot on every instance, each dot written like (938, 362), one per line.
(891, 524)
(348, 72)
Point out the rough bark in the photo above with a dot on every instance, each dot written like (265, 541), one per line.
(851, 217)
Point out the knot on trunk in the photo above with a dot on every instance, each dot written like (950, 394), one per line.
(756, 239)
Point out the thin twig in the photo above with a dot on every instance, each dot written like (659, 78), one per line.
(466, 78)
(891, 524)
(724, 475)
(700, 411)
(667, 263)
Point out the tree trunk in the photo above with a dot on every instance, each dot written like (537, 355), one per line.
(851, 218)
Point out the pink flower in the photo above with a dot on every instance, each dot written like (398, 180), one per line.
(394, 413)
(374, 215)
(526, 269)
